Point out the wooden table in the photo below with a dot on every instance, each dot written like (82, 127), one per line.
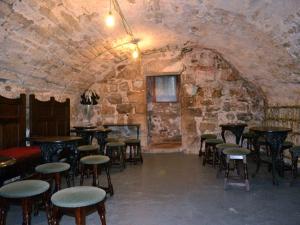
(275, 136)
(52, 145)
(236, 128)
(79, 130)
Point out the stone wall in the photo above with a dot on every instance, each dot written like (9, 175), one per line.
(212, 92)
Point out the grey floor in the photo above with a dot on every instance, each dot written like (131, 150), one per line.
(175, 189)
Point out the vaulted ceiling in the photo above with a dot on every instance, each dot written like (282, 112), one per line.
(64, 44)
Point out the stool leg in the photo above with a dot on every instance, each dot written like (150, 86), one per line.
(80, 216)
(205, 154)
(294, 168)
(3, 211)
(57, 179)
(140, 153)
(246, 173)
(26, 208)
(82, 174)
(227, 172)
(200, 150)
(95, 175)
(110, 186)
(47, 208)
(56, 215)
(101, 212)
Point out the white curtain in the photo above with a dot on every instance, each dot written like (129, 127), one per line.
(165, 89)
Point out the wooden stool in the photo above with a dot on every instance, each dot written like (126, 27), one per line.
(85, 150)
(135, 153)
(78, 200)
(25, 191)
(210, 155)
(96, 162)
(295, 153)
(54, 170)
(236, 154)
(116, 152)
(204, 137)
(249, 137)
(222, 160)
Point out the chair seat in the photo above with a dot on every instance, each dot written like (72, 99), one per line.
(94, 159)
(132, 141)
(54, 167)
(23, 189)
(226, 145)
(87, 148)
(214, 141)
(208, 136)
(115, 144)
(76, 197)
(236, 151)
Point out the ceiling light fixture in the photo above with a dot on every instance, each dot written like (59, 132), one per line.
(110, 19)
(110, 22)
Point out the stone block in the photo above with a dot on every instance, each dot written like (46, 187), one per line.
(207, 127)
(123, 86)
(244, 116)
(124, 108)
(137, 97)
(140, 108)
(114, 99)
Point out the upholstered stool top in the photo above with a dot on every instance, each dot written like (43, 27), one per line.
(111, 140)
(132, 141)
(87, 148)
(76, 197)
(94, 159)
(208, 136)
(24, 188)
(226, 145)
(248, 135)
(214, 141)
(287, 144)
(115, 144)
(54, 167)
(236, 151)
(295, 150)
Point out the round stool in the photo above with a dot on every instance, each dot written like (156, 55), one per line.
(85, 150)
(78, 199)
(25, 191)
(204, 137)
(54, 170)
(222, 160)
(96, 162)
(210, 155)
(236, 154)
(249, 137)
(116, 152)
(135, 153)
(295, 154)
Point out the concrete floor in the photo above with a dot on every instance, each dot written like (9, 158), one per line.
(175, 189)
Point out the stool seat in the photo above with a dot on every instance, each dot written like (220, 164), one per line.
(208, 136)
(236, 151)
(94, 159)
(287, 144)
(295, 150)
(55, 167)
(132, 141)
(87, 148)
(248, 135)
(76, 197)
(214, 141)
(24, 189)
(226, 145)
(116, 144)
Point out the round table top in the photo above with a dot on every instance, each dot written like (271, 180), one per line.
(233, 125)
(55, 139)
(266, 129)
(75, 197)
(6, 161)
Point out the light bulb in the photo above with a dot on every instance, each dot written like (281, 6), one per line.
(110, 20)
(135, 54)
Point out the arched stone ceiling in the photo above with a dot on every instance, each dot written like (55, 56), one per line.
(64, 44)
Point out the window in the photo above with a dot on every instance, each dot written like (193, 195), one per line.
(166, 88)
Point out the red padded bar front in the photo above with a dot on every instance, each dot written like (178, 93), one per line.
(21, 153)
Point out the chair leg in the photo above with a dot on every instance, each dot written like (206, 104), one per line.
(101, 212)
(80, 216)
